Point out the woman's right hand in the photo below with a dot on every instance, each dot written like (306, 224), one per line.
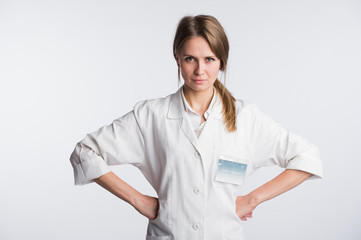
(147, 206)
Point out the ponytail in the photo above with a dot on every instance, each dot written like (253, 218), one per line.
(229, 106)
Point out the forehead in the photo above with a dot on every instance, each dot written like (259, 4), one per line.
(197, 46)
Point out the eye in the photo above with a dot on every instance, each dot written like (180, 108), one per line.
(210, 59)
(188, 59)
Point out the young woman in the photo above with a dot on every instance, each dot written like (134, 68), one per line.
(195, 147)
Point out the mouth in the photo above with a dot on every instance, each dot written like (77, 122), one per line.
(199, 80)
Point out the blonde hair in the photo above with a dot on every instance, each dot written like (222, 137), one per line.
(210, 29)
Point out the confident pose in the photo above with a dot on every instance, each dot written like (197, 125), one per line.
(196, 147)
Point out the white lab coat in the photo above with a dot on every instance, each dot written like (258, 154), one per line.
(157, 138)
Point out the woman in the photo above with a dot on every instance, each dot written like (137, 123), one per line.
(195, 147)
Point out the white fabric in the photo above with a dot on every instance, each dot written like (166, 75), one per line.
(194, 118)
(156, 138)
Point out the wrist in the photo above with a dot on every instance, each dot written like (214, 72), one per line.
(136, 199)
(253, 199)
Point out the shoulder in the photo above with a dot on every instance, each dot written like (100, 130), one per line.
(245, 107)
(157, 106)
(250, 112)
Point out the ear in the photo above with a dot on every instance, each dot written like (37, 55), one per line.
(177, 59)
(221, 66)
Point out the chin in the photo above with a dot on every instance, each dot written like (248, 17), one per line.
(198, 87)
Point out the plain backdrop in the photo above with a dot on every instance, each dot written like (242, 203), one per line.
(69, 67)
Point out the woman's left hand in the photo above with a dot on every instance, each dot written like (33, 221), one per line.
(287, 180)
(244, 207)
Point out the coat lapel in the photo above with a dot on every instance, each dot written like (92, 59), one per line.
(177, 111)
(188, 131)
(208, 133)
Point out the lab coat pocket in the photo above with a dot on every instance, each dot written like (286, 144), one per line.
(230, 223)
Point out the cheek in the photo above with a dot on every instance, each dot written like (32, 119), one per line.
(214, 71)
(186, 69)
(184, 74)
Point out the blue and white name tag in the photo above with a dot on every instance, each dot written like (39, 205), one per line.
(230, 171)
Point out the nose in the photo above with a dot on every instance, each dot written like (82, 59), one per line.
(199, 70)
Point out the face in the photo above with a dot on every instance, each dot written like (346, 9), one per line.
(198, 65)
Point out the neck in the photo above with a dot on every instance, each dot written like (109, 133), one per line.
(199, 101)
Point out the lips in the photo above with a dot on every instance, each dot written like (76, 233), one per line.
(199, 80)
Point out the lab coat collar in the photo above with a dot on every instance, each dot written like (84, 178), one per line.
(188, 108)
(176, 107)
(177, 111)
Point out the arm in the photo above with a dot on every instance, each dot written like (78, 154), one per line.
(287, 180)
(146, 205)
(271, 144)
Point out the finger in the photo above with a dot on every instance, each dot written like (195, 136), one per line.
(249, 215)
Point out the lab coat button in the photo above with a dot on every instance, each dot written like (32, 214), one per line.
(196, 190)
(195, 226)
(197, 155)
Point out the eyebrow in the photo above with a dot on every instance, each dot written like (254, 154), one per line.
(190, 55)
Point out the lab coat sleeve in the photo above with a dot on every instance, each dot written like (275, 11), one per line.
(274, 145)
(118, 143)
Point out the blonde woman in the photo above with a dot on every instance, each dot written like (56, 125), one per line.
(196, 147)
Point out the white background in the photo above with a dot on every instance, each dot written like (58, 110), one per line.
(70, 67)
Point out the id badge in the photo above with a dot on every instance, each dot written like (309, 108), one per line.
(230, 171)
